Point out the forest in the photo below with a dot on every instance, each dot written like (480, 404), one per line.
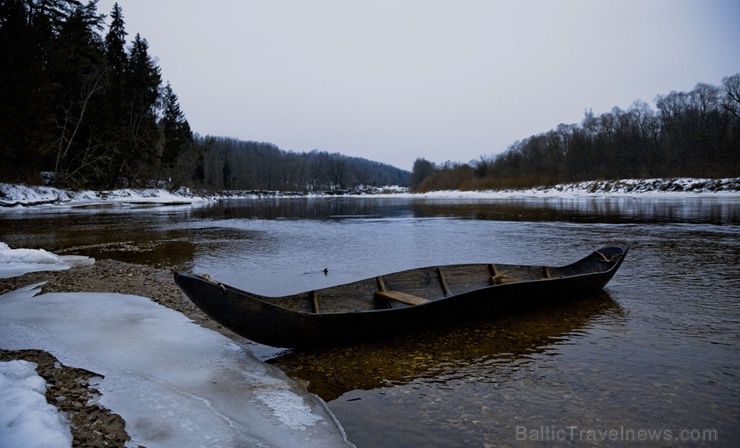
(691, 134)
(82, 107)
(231, 164)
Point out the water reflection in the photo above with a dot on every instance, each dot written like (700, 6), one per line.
(162, 235)
(587, 209)
(477, 350)
(308, 208)
(713, 210)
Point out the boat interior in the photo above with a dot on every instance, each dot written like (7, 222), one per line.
(411, 288)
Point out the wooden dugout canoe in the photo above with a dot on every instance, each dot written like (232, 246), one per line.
(417, 299)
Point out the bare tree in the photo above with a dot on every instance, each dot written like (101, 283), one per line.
(731, 100)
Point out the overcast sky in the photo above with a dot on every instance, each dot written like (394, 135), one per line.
(445, 80)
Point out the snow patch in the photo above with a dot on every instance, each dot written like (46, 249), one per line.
(15, 262)
(289, 408)
(26, 419)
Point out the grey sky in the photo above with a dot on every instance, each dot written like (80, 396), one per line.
(445, 80)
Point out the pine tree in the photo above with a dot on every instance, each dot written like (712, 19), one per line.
(116, 111)
(199, 172)
(115, 44)
(137, 148)
(226, 174)
(175, 128)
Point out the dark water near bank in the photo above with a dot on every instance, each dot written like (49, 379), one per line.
(654, 359)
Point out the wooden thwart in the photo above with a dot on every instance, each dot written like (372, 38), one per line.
(397, 296)
(443, 282)
(401, 297)
(314, 302)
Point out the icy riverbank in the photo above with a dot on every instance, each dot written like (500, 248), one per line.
(175, 384)
(13, 196)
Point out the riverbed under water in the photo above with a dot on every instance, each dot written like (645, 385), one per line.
(653, 358)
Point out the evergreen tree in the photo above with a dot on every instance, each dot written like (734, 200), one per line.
(199, 172)
(137, 150)
(115, 44)
(175, 128)
(226, 174)
(116, 129)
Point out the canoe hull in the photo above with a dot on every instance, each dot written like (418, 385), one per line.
(256, 318)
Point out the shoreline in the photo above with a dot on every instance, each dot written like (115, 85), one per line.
(15, 196)
(68, 388)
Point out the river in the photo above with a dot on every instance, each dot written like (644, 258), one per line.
(655, 358)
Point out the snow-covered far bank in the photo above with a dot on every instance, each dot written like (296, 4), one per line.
(680, 187)
(646, 186)
(175, 383)
(15, 262)
(14, 196)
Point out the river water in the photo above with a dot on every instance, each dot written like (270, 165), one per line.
(655, 358)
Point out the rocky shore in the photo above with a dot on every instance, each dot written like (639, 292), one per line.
(68, 388)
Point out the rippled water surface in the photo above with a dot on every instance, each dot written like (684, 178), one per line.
(655, 357)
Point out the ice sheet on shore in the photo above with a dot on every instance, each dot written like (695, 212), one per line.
(176, 384)
(16, 262)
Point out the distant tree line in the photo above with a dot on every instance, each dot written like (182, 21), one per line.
(692, 134)
(231, 164)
